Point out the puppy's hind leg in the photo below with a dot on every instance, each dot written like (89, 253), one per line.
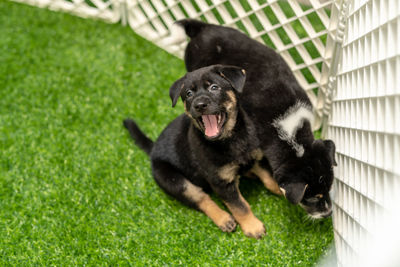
(177, 186)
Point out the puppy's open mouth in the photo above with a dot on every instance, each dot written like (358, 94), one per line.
(212, 124)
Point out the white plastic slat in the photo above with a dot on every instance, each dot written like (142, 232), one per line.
(364, 125)
(105, 10)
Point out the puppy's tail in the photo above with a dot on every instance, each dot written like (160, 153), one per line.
(141, 140)
(184, 28)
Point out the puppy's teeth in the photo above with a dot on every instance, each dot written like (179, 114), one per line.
(219, 118)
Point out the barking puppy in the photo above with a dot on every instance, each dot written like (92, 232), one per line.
(301, 167)
(207, 147)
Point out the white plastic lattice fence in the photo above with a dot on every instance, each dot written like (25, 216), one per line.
(302, 33)
(366, 128)
(108, 10)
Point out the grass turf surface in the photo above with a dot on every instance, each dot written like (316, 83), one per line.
(74, 190)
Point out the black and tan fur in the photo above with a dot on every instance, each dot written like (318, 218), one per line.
(187, 162)
(300, 166)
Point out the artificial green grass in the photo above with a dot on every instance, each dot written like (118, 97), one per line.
(74, 190)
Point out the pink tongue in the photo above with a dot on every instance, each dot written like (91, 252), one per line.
(210, 122)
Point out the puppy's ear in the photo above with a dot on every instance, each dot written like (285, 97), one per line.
(175, 90)
(331, 148)
(234, 75)
(294, 192)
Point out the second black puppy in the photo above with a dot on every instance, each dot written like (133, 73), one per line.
(208, 147)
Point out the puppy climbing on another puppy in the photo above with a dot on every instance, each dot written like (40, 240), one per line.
(208, 147)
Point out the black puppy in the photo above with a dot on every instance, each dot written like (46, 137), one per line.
(278, 107)
(208, 147)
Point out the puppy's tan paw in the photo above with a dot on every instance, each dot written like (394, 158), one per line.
(227, 223)
(253, 227)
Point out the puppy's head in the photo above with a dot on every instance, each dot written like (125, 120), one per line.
(309, 181)
(209, 95)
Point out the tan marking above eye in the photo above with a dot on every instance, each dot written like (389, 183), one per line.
(319, 196)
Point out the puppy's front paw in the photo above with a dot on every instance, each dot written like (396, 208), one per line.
(227, 223)
(253, 227)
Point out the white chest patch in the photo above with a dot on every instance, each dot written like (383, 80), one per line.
(288, 124)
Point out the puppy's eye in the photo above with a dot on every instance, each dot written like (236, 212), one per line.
(214, 87)
(189, 93)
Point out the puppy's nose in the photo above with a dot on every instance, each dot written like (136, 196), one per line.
(201, 104)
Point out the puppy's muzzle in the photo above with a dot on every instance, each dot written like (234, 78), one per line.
(208, 116)
(201, 104)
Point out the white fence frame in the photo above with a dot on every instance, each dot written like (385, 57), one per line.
(357, 74)
(109, 10)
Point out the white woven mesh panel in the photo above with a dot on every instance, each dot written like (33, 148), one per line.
(365, 125)
(301, 33)
(108, 10)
